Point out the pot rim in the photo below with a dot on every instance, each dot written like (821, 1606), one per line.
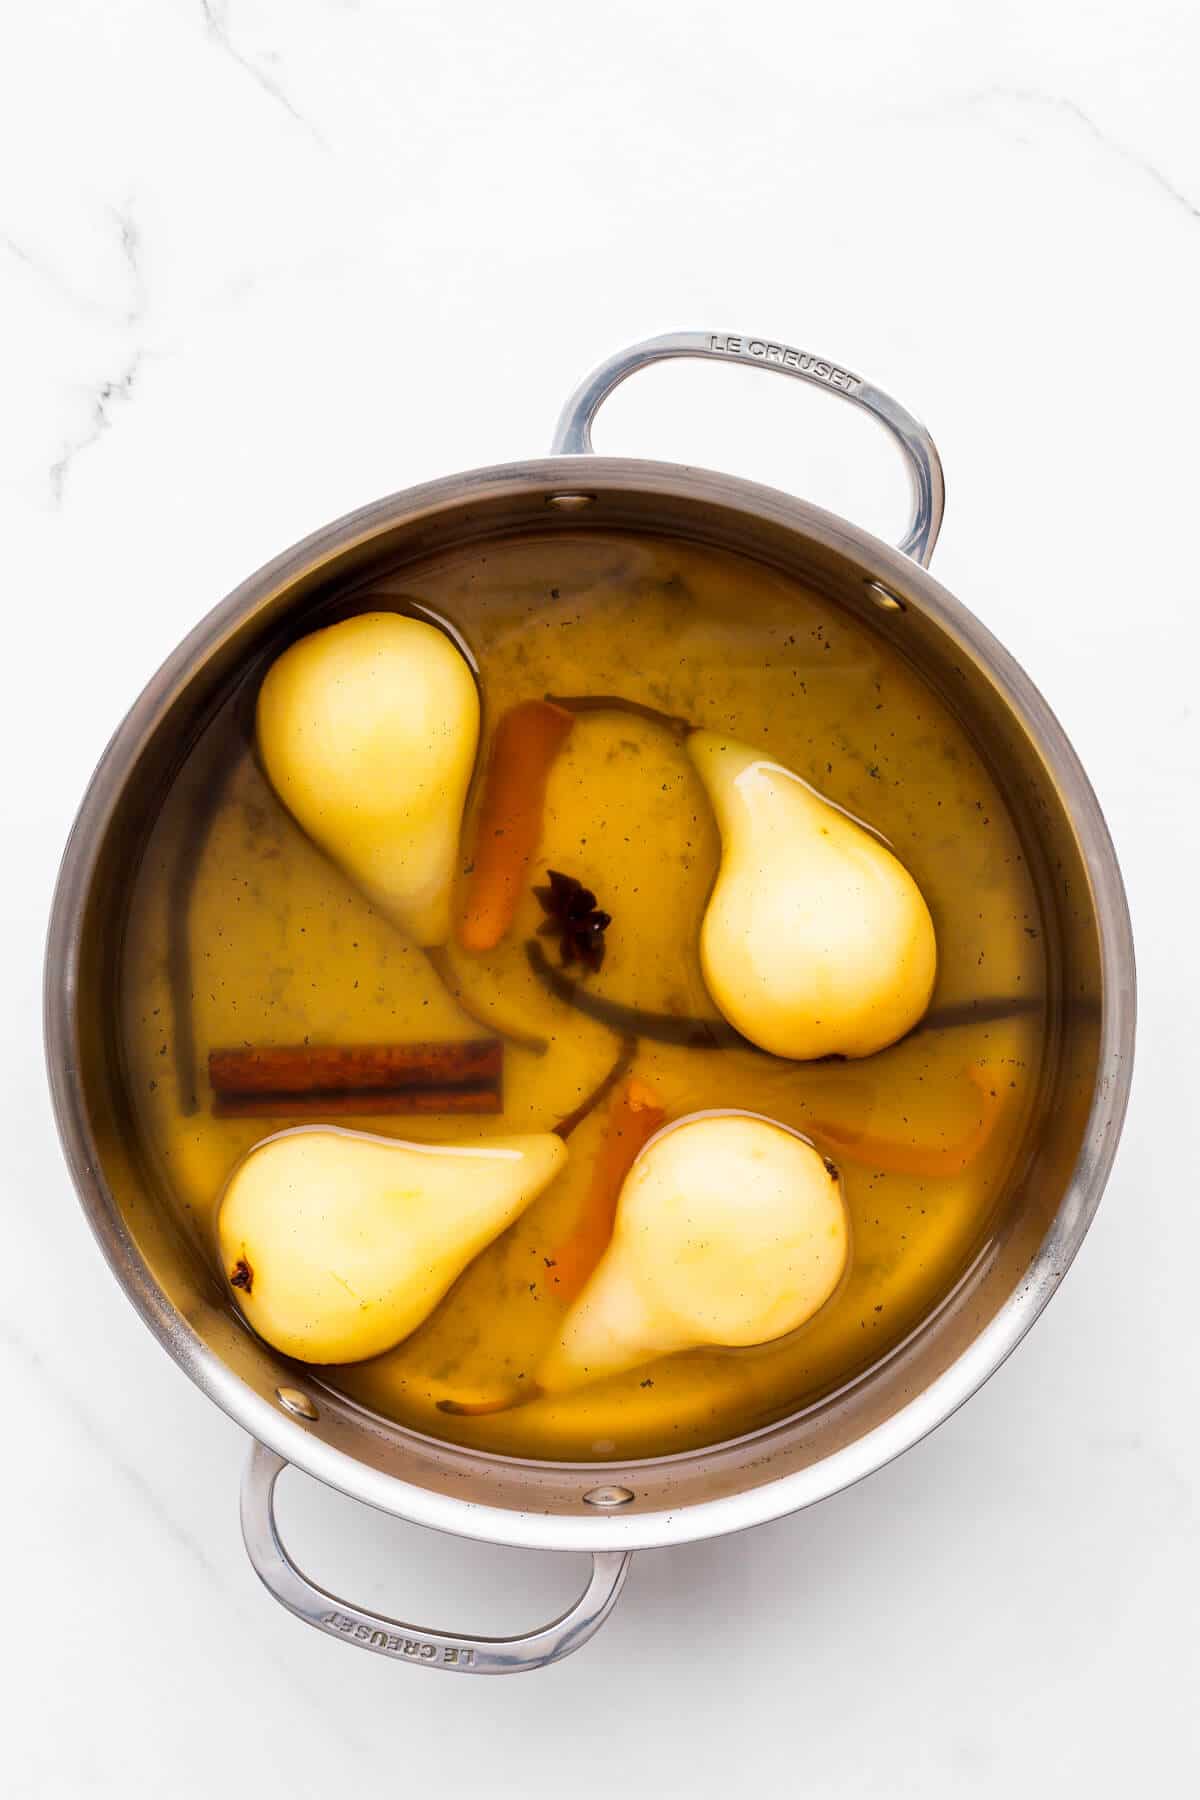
(771, 1499)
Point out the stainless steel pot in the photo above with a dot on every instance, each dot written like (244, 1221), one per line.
(607, 1512)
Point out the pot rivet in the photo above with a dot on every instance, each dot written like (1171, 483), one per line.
(608, 1496)
(296, 1402)
(884, 598)
(570, 502)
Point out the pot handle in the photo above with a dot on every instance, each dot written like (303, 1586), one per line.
(573, 435)
(411, 1643)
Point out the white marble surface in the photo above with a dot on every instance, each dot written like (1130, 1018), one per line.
(261, 260)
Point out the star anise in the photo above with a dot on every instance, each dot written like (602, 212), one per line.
(573, 917)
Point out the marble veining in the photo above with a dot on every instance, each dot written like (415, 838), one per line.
(113, 391)
(1031, 101)
(65, 1397)
(220, 31)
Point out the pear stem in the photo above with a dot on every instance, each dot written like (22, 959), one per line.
(678, 727)
(480, 1409)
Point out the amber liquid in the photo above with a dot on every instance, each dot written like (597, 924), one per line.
(273, 945)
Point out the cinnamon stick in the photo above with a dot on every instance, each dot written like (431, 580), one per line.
(321, 1080)
(349, 1104)
(303, 1068)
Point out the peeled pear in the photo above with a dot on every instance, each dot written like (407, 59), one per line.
(368, 731)
(730, 1229)
(339, 1243)
(816, 940)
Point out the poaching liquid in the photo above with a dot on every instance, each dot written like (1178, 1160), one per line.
(242, 933)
